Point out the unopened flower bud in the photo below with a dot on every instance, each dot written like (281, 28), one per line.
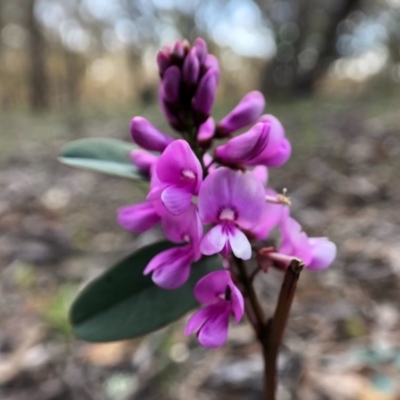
(206, 131)
(245, 147)
(205, 94)
(171, 84)
(201, 49)
(211, 62)
(147, 136)
(191, 67)
(279, 148)
(178, 50)
(245, 113)
(163, 61)
(143, 160)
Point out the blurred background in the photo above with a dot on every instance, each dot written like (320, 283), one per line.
(330, 70)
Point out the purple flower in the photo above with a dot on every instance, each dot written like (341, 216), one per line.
(179, 177)
(144, 160)
(279, 149)
(245, 113)
(245, 147)
(201, 49)
(138, 217)
(163, 61)
(171, 268)
(211, 62)
(191, 67)
(147, 136)
(230, 200)
(206, 131)
(223, 298)
(171, 82)
(205, 94)
(316, 253)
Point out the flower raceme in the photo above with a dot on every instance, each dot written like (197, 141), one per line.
(213, 203)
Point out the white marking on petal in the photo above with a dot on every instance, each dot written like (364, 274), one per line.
(227, 214)
(189, 174)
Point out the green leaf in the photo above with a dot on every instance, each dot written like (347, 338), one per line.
(109, 156)
(123, 303)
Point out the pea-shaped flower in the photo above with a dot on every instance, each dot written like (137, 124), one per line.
(179, 177)
(230, 200)
(224, 299)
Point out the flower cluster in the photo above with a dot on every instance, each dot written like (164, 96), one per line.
(213, 203)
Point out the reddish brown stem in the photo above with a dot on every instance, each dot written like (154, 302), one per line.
(275, 327)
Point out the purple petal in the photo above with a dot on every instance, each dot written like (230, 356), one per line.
(139, 217)
(281, 156)
(184, 227)
(237, 303)
(209, 288)
(191, 67)
(214, 332)
(295, 242)
(179, 166)
(206, 130)
(147, 136)
(213, 241)
(178, 50)
(211, 62)
(205, 94)
(245, 113)
(276, 134)
(163, 61)
(201, 49)
(171, 268)
(169, 114)
(143, 160)
(240, 245)
(176, 200)
(323, 253)
(235, 190)
(261, 173)
(270, 218)
(244, 147)
(171, 84)
(198, 319)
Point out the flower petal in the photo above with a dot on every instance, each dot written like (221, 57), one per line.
(176, 160)
(245, 113)
(171, 268)
(244, 147)
(148, 136)
(224, 188)
(323, 253)
(198, 319)
(237, 303)
(184, 227)
(139, 217)
(214, 332)
(209, 288)
(240, 245)
(213, 241)
(176, 200)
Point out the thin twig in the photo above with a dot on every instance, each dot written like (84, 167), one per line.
(275, 327)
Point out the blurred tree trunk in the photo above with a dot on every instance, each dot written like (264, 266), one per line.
(287, 74)
(75, 69)
(38, 78)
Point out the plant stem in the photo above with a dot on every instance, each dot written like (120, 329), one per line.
(275, 327)
(253, 303)
(269, 333)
